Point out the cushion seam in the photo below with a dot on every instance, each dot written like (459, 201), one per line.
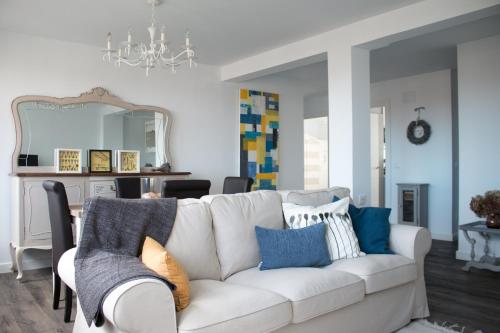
(384, 271)
(302, 299)
(329, 291)
(331, 310)
(238, 317)
(283, 324)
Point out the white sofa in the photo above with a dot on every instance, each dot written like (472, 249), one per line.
(214, 239)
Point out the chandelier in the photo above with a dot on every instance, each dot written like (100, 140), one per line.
(150, 54)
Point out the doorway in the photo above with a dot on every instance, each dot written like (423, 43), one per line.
(377, 156)
(316, 153)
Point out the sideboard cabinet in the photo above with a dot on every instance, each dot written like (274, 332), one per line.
(30, 223)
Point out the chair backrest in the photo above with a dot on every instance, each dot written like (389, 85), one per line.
(184, 189)
(128, 187)
(60, 220)
(234, 185)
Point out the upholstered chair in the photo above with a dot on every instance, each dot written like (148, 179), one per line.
(62, 239)
(128, 187)
(234, 185)
(182, 189)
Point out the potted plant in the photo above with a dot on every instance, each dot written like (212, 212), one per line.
(488, 207)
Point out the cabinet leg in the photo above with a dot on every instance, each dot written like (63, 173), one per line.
(12, 249)
(19, 262)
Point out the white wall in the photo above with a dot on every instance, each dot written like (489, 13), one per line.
(316, 105)
(479, 128)
(428, 163)
(205, 112)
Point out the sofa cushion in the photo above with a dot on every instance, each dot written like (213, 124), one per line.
(305, 247)
(222, 307)
(66, 268)
(312, 291)
(314, 197)
(342, 241)
(192, 240)
(379, 271)
(156, 258)
(234, 218)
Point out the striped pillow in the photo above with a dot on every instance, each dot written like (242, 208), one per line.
(342, 240)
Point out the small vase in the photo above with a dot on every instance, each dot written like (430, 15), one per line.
(493, 222)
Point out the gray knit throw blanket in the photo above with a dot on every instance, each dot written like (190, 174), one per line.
(111, 241)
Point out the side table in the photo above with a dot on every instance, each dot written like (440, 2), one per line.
(486, 261)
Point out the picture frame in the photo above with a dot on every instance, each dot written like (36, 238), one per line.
(100, 160)
(128, 161)
(68, 160)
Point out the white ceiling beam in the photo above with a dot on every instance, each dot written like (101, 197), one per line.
(373, 32)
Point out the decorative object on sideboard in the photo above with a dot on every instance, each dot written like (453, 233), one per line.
(487, 206)
(68, 160)
(259, 138)
(418, 131)
(165, 167)
(151, 53)
(128, 161)
(100, 160)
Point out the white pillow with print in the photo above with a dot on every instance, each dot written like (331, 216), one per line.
(342, 240)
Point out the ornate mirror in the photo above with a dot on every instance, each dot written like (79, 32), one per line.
(94, 120)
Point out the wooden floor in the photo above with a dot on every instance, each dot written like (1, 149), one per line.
(471, 299)
(468, 299)
(27, 306)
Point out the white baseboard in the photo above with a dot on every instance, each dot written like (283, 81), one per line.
(442, 237)
(27, 264)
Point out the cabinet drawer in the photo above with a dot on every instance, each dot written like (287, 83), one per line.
(105, 188)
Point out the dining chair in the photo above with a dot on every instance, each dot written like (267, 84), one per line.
(128, 187)
(182, 189)
(234, 185)
(62, 239)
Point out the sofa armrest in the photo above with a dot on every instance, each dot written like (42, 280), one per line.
(142, 305)
(414, 243)
(411, 242)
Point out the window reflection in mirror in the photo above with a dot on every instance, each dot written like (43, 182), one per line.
(85, 126)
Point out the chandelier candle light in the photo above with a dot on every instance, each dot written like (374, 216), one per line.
(148, 55)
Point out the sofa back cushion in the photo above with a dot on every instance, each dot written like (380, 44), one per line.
(314, 197)
(192, 240)
(234, 218)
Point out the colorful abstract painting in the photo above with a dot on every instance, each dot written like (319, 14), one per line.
(259, 132)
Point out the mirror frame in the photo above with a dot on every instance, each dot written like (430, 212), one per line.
(96, 95)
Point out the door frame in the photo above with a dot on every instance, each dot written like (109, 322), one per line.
(388, 190)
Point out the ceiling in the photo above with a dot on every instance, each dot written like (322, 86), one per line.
(422, 54)
(429, 52)
(222, 30)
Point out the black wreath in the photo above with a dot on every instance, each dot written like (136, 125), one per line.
(410, 132)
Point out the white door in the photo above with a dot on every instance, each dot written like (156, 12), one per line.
(377, 156)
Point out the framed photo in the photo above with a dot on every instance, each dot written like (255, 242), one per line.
(68, 160)
(100, 160)
(128, 161)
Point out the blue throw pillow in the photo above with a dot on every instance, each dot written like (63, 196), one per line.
(305, 247)
(372, 227)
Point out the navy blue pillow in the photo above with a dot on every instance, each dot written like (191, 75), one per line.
(372, 227)
(305, 247)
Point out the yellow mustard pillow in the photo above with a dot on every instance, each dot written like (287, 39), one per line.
(156, 258)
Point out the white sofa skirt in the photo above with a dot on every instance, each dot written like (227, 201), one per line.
(382, 312)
